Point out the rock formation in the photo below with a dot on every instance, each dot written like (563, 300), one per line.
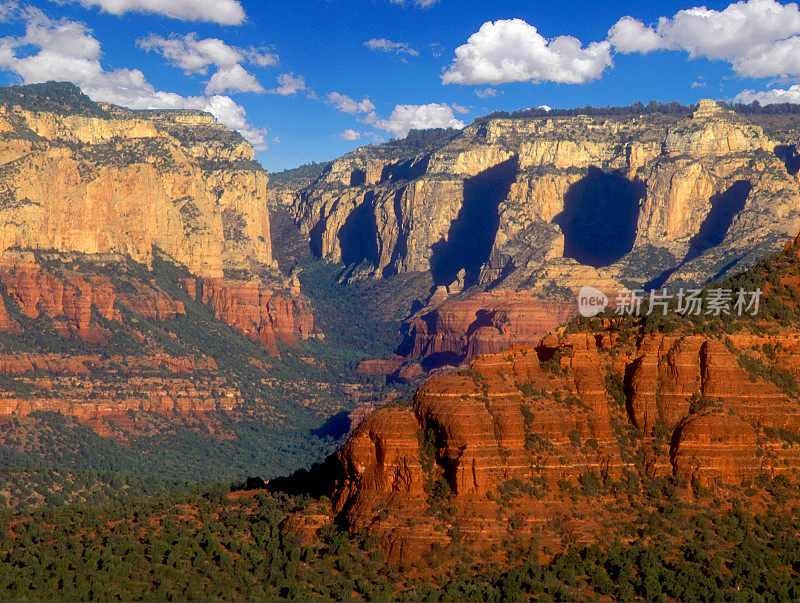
(258, 312)
(541, 206)
(122, 182)
(712, 402)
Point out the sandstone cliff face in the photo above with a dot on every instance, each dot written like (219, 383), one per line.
(517, 421)
(545, 189)
(69, 300)
(94, 201)
(484, 323)
(258, 312)
(74, 303)
(77, 177)
(123, 181)
(189, 390)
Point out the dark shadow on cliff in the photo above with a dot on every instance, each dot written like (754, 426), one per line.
(788, 154)
(289, 246)
(406, 170)
(441, 359)
(724, 207)
(627, 388)
(471, 236)
(334, 427)
(358, 236)
(358, 177)
(599, 218)
(315, 238)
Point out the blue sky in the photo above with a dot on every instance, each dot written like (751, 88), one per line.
(313, 80)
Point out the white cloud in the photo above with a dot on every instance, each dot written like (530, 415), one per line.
(630, 35)
(742, 28)
(224, 12)
(760, 38)
(195, 56)
(459, 108)
(486, 93)
(780, 59)
(770, 97)
(346, 104)
(514, 51)
(233, 79)
(7, 10)
(384, 45)
(290, 84)
(262, 57)
(350, 134)
(190, 54)
(67, 51)
(420, 117)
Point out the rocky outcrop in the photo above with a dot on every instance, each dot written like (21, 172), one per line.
(109, 218)
(258, 312)
(187, 389)
(70, 300)
(116, 181)
(95, 337)
(485, 323)
(74, 299)
(533, 421)
(540, 207)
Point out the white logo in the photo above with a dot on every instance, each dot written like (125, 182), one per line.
(591, 302)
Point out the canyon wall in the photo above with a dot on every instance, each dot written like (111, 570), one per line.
(540, 207)
(112, 221)
(121, 182)
(521, 202)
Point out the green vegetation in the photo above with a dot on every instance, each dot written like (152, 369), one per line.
(273, 432)
(62, 98)
(654, 107)
(343, 316)
(24, 490)
(423, 140)
(301, 174)
(758, 369)
(615, 386)
(203, 544)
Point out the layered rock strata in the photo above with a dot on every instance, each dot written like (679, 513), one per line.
(543, 206)
(542, 184)
(187, 389)
(81, 177)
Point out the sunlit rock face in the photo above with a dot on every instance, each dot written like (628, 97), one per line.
(712, 407)
(505, 199)
(76, 176)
